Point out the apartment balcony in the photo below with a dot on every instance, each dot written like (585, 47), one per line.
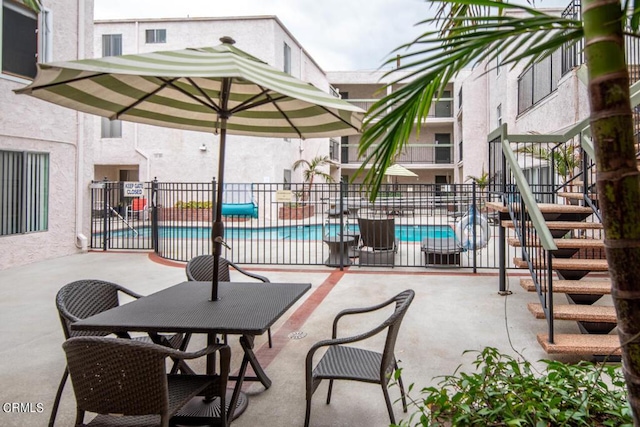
(442, 109)
(426, 154)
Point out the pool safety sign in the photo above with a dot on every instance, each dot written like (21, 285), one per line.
(133, 189)
(284, 196)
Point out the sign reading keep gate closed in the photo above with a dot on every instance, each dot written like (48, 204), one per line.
(133, 189)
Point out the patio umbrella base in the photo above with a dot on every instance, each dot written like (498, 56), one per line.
(198, 410)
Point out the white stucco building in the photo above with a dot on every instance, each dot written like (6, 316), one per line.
(41, 145)
(127, 151)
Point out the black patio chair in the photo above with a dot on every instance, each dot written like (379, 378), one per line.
(200, 269)
(85, 298)
(342, 362)
(125, 381)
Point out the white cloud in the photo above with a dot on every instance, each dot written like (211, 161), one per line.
(338, 34)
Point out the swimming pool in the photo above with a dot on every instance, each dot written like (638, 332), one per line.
(404, 232)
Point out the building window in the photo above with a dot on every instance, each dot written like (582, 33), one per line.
(111, 44)
(26, 39)
(287, 58)
(499, 114)
(156, 36)
(286, 177)
(111, 128)
(24, 192)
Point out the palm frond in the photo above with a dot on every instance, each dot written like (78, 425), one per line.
(437, 60)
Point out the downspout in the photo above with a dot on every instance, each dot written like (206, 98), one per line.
(81, 239)
(142, 153)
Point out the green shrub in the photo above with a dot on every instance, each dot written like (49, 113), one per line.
(506, 392)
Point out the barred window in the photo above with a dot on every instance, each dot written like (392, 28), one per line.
(24, 192)
(156, 36)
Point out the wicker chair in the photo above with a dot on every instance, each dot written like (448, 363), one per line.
(200, 268)
(125, 381)
(341, 362)
(84, 298)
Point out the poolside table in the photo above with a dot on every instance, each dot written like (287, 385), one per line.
(245, 309)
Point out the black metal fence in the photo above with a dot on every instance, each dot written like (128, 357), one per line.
(292, 224)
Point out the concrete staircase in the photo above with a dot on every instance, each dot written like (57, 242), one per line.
(580, 273)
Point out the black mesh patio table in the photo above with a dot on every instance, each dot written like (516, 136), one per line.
(246, 309)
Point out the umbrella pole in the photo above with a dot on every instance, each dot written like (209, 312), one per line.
(217, 231)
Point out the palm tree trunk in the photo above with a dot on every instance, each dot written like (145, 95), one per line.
(617, 182)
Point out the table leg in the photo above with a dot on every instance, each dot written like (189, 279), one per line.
(246, 341)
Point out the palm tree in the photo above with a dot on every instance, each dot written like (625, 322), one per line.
(470, 31)
(312, 170)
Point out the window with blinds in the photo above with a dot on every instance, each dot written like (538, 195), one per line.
(24, 192)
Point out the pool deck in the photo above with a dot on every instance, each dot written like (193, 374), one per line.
(454, 310)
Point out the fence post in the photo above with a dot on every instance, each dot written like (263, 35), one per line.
(502, 248)
(475, 219)
(343, 187)
(105, 216)
(154, 214)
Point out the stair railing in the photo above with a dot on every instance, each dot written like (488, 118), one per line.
(536, 241)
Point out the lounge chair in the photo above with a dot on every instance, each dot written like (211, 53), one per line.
(442, 251)
(345, 362)
(378, 241)
(138, 206)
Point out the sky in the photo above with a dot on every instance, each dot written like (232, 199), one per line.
(340, 35)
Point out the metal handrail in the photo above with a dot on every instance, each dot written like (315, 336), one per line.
(544, 234)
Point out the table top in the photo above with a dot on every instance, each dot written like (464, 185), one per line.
(244, 308)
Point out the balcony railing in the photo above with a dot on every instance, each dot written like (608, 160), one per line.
(413, 153)
(439, 109)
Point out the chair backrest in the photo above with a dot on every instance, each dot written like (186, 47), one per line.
(138, 204)
(200, 269)
(377, 233)
(117, 376)
(84, 298)
(403, 301)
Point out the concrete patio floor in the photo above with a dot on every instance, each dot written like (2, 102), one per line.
(453, 311)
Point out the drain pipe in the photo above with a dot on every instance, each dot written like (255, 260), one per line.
(81, 239)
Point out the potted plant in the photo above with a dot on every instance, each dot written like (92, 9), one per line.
(301, 209)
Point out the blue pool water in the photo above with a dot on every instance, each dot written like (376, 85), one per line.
(404, 233)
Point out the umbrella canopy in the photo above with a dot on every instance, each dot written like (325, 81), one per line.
(214, 89)
(397, 170)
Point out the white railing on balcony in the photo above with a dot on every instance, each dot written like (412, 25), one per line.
(413, 153)
(439, 109)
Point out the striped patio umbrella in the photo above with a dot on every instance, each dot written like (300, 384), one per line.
(215, 89)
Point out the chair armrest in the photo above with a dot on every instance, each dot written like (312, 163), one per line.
(130, 292)
(340, 341)
(182, 355)
(361, 310)
(246, 273)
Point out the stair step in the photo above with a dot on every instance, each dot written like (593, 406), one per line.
(570, 264)
(566, 243)
(577, 196)
(577, 312)
(544, 208)
(582, 287)
(581, 344)
(562, 225)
